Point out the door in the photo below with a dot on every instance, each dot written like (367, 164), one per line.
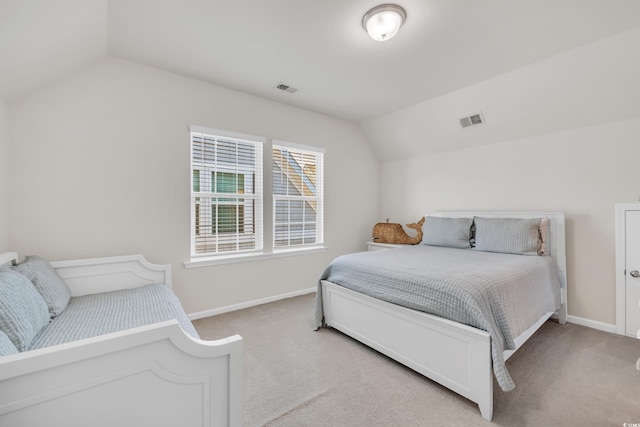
(632, 273)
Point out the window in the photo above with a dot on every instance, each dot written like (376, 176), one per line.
(226, 193)
(297, 174)
(228, 218)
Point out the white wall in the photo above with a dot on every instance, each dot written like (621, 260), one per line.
(582, 172)
(101, 166)
(560, 134)
(4, 179)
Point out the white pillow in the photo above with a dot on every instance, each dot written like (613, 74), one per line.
(544, 235)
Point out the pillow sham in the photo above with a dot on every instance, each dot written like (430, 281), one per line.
(47, 281)
(6, 346)
(23, 312)
(544, 235)
(508, 235)
(449, 232)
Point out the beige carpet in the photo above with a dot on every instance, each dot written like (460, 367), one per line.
(565, 375)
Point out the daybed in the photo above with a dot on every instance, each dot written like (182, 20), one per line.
(451, 312)
(105, 342)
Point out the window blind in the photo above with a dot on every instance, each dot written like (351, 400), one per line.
(298, 196)
(226, 194)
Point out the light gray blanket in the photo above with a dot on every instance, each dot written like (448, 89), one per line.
(499, 293)
(92, 315)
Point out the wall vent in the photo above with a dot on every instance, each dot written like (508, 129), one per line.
(473, 120)
(285, 87)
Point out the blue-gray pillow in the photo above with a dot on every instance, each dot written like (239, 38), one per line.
(47, 281)
(508, 235)
(6, 346)
(23, 312)
(449, 232)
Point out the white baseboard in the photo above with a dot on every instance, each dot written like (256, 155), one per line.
(240, 306)
(607, 327)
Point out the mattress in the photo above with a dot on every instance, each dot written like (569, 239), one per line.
(92, 315)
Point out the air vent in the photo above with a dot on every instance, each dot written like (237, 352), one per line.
(285, 87)
(473, 120)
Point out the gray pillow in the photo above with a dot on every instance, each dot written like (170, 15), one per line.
(508, 235)
(47, 281)
(450, 232)
(6, 346)
(23, 312)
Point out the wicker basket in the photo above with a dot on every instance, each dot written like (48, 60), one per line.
(390, 232)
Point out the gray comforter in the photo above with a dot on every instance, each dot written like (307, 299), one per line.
(498, 293)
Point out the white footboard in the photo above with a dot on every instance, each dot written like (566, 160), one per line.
(454, 355)
(154, 375)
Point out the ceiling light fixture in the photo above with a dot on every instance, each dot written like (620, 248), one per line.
(383, 22)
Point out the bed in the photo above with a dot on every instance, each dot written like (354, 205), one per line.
(157, 373)
(461, 357)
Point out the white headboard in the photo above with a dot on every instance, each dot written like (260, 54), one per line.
(96, 275)
(556, 246)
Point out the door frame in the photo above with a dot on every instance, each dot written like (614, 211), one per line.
(621, 276)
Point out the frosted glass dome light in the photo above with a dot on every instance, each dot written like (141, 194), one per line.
(383, 22)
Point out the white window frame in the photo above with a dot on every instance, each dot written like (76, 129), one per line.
(318, 153)
(265, 248)
(257, 196)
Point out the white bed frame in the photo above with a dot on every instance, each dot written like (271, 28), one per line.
(455, 355)
(154, 375)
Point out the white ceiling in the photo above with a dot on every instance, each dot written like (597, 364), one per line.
(317, 46)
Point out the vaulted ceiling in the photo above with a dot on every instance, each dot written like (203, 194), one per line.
(316, 46)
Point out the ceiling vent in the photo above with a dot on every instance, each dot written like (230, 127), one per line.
(285, 87)
(473, 120)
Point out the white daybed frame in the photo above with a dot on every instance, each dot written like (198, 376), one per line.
(153, 375)
(455, 355)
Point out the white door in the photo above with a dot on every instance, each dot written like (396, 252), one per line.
(632, 272)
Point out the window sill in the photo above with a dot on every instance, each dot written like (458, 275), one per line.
(231, 259)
